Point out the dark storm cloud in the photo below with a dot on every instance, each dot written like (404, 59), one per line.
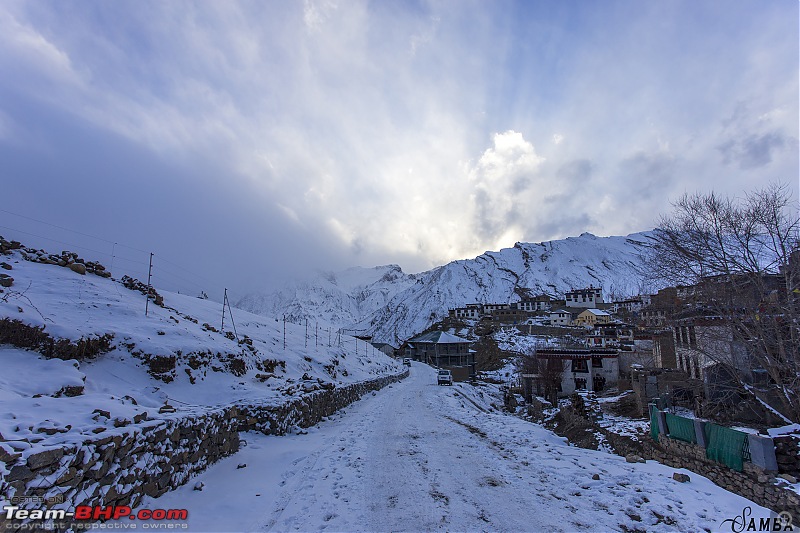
(753, 151)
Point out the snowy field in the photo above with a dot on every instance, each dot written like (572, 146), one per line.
(419, 457)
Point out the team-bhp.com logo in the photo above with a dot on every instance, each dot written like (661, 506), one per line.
(157, 518)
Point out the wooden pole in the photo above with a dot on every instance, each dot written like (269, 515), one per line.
(149, 276)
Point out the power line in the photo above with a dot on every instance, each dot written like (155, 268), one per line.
(72, 230)
(140, 263)
(55, 240)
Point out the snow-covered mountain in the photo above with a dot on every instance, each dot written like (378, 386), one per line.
(338, 299)
(392, 306)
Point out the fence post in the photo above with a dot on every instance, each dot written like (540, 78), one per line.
(662, 423)
(762, 452)
(700, 432)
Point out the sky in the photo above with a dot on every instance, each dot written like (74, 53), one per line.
(245, 142)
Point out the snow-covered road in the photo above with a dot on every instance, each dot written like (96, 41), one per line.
(418, 457)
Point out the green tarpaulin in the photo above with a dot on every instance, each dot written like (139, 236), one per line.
(725, 445)
(681, 428)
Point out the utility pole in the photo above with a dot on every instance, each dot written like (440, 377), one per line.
(224, 299)
(149, 276)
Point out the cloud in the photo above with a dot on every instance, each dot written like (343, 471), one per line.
(308, 116)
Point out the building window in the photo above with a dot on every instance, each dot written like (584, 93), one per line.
(597, 362)
(579, 365)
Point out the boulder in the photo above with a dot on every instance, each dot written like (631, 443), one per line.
(633, 458)
(681, 478)
(80, 268)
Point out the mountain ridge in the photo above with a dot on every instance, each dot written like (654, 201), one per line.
(391, 306)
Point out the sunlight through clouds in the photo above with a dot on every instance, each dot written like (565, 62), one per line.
(522, 121)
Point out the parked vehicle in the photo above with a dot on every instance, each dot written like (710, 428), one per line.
(445, 377)
(407, 361)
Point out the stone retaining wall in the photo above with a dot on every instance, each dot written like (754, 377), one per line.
(754, 483)
(154, 457)
(307, 410)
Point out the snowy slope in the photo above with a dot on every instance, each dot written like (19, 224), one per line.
(205, 367)
(409, 304)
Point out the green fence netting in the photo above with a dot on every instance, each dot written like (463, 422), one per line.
(725, 445)
(654, 422)
(681, 428)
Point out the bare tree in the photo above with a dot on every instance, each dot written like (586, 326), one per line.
(736, 263)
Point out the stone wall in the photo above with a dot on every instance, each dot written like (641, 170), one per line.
(308, 409)
(151, 458)
(145, 460)
(754, 483)
(787, 454)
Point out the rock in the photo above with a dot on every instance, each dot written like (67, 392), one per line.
(596, 477)
(141, 417)
(241, 465)
(6, 266)
(79, 268)
(47, 457)
(199, 485)
(7, 454)
(633, 458)
(102, 412)
(788, 477)
(681, 478)
(20, 473)
(121, 422)
(166, 408)
(6, 280)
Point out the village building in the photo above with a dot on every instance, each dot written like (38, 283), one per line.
(705, 350)
(560, 317)
(537, 303)
(470, 311)
(587, 369)
(590, 317)
(386, 348)
(444, 350)
(584, 298)
(610, 335)
(509, 316)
